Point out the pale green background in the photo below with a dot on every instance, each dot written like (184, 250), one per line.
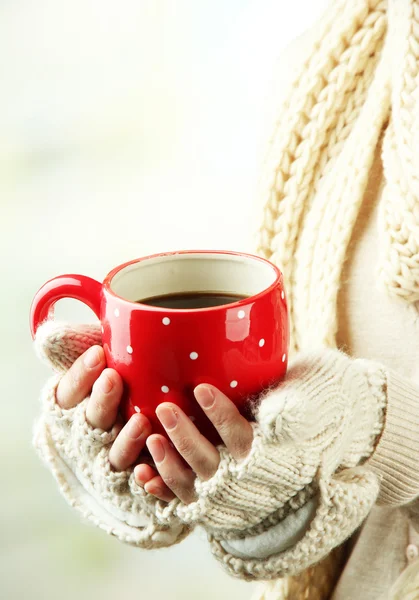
(126, 128)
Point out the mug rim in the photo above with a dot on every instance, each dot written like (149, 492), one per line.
(109, 277)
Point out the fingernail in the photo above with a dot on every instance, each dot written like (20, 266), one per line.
(92, 358)
(134, 429)
(157, 450)
(105, 383)
(205, 396)
(167, 417)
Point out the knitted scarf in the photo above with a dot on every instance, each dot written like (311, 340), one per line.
(359, 81)
(360, 78)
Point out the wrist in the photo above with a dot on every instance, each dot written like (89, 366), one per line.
(370, 401)
(396, 455)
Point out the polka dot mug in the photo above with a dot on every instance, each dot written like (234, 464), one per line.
(163, 353)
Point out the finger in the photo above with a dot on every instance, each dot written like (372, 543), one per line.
(103, 404)
(178, 478)
(130, 441)
(198, 452)
(79, 379)
(235, 431)
(144, 473)
(157, 487)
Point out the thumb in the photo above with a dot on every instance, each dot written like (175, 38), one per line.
(59, 344)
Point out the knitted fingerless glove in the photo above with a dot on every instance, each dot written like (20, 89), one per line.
(312, 434)
(78, 455)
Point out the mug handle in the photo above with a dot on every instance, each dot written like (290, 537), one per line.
(79, 287)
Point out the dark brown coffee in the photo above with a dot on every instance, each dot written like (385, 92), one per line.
(192, 300)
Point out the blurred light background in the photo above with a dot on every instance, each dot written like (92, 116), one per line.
(127, 128)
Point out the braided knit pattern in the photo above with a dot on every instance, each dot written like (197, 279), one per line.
(362, 73)
(359, 79)
(78, 456)
(399, 213)
(314, 128)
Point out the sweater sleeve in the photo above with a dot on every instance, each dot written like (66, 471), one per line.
(396, 456)
(77, 455)
(395, 460)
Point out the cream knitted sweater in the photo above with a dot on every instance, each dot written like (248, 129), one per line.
(304, 473)
(356, 77)
(376, 326)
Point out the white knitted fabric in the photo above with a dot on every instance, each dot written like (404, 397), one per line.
(359, 77)
(311, 434)
(59, 344)
(78, 455)
(325, 416)
(356, 80)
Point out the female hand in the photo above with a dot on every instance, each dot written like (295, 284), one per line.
(88, 376)
(172, 477)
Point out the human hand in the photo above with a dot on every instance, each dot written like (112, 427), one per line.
(90, 452)
(88, 376)
(172, 477)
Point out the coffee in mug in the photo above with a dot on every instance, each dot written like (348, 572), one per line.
(192, 300)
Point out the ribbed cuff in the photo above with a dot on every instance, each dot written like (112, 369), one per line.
(396, 457)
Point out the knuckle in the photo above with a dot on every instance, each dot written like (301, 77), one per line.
(70, 389)
(122, 452)
(186, 446)
(123, 442)
(170, 481)
(119, 455)
(99, 409)
(205, 469)
(97, 393)
(222, 422)
(76, 377)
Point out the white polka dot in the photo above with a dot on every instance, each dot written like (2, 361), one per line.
(284, 356)
(282, 294)
(103, 329)
(129, 349)
(233, 384)
(166, 321)
(193, 355)
(192, 418)
(261, 342)
(116, 312)
(137, 409)
(241, 314)
(164, 389)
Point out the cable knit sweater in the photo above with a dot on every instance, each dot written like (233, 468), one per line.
(325, 504)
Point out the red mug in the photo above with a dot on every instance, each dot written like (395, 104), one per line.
(161, 353)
